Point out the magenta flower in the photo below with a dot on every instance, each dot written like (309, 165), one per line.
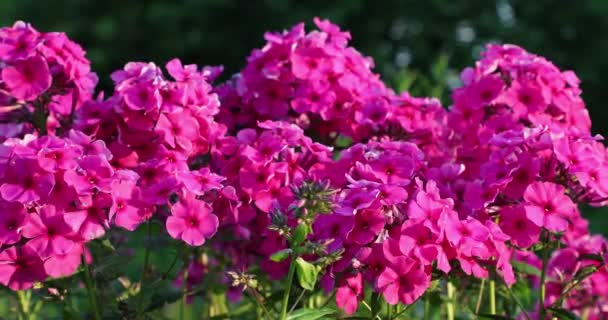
(48, 232)
(347, 294)
(548, 206)
(142, 97)
(333, 226)
(24, 182)
(179, 129)
(200, 181)
(368, 224)
(355, 201)
(11, 221)
(57, 155)
(91, 220)
(64, 264)
(27, 79)
(94, 173)
(20, 267)
(403, 280)
(126, 208)
(515, 223)
(191, 221)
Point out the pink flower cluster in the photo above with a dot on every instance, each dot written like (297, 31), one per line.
(40, 68)
(317, 81)
(395, 227)
(262, 164)
(424, 192)
(162, 131)
(55, 196)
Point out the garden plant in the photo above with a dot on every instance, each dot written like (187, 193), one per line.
(303, 187)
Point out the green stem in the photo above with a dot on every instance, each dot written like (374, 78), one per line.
(519, 304)
(404, 310)
(295, 304)
(166, 274)
(389, 311)
(182, 306)
(480, 295)
(36, 310)
(328, 300)
(492, 286)
(543, 278)
(40, 117)
(290, 275)
(24, 304)
(91, 290)
(144, 270)
(259, 301)
(450, 303)
(427, 307)
(366, 305)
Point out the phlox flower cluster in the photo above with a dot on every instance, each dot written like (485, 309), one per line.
(39, 69)
(424, 193)
(395, 228)
(521, 153)
(319, 82)
(55, 196)
(262, 164)
(162, 131)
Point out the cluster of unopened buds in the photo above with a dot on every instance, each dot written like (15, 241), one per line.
(419, 192)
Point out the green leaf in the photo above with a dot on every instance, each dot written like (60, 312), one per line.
(493, 316)
(300, 234)
(585, 272)
(281, 255)
(160, 298)
(105, 243)
(526, 268)
(312, 314)
(594, 257)
(343, 141)
(521, 290)
(109, 268)
(563, 314)
(307, 273)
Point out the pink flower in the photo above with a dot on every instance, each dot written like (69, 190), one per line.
(21, 267)
(142, 97)
(64, 264)
(57, 155)
(402, 281)
(191, 221)
(355, 201)
(179, 129)
(548, 206)
(11, 221)
(347, 294)
(515, 223)
(200, 181)
(27, 79)
(94, 173)
(91, 220)
(48, 232)
(159, 192)
(129, 212)
(24, 182)
(467, 235)
(368, 224)
(333, 226)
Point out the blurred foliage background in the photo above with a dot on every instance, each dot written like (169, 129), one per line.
(417, 45)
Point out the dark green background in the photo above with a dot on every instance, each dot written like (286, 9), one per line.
(404, 37)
